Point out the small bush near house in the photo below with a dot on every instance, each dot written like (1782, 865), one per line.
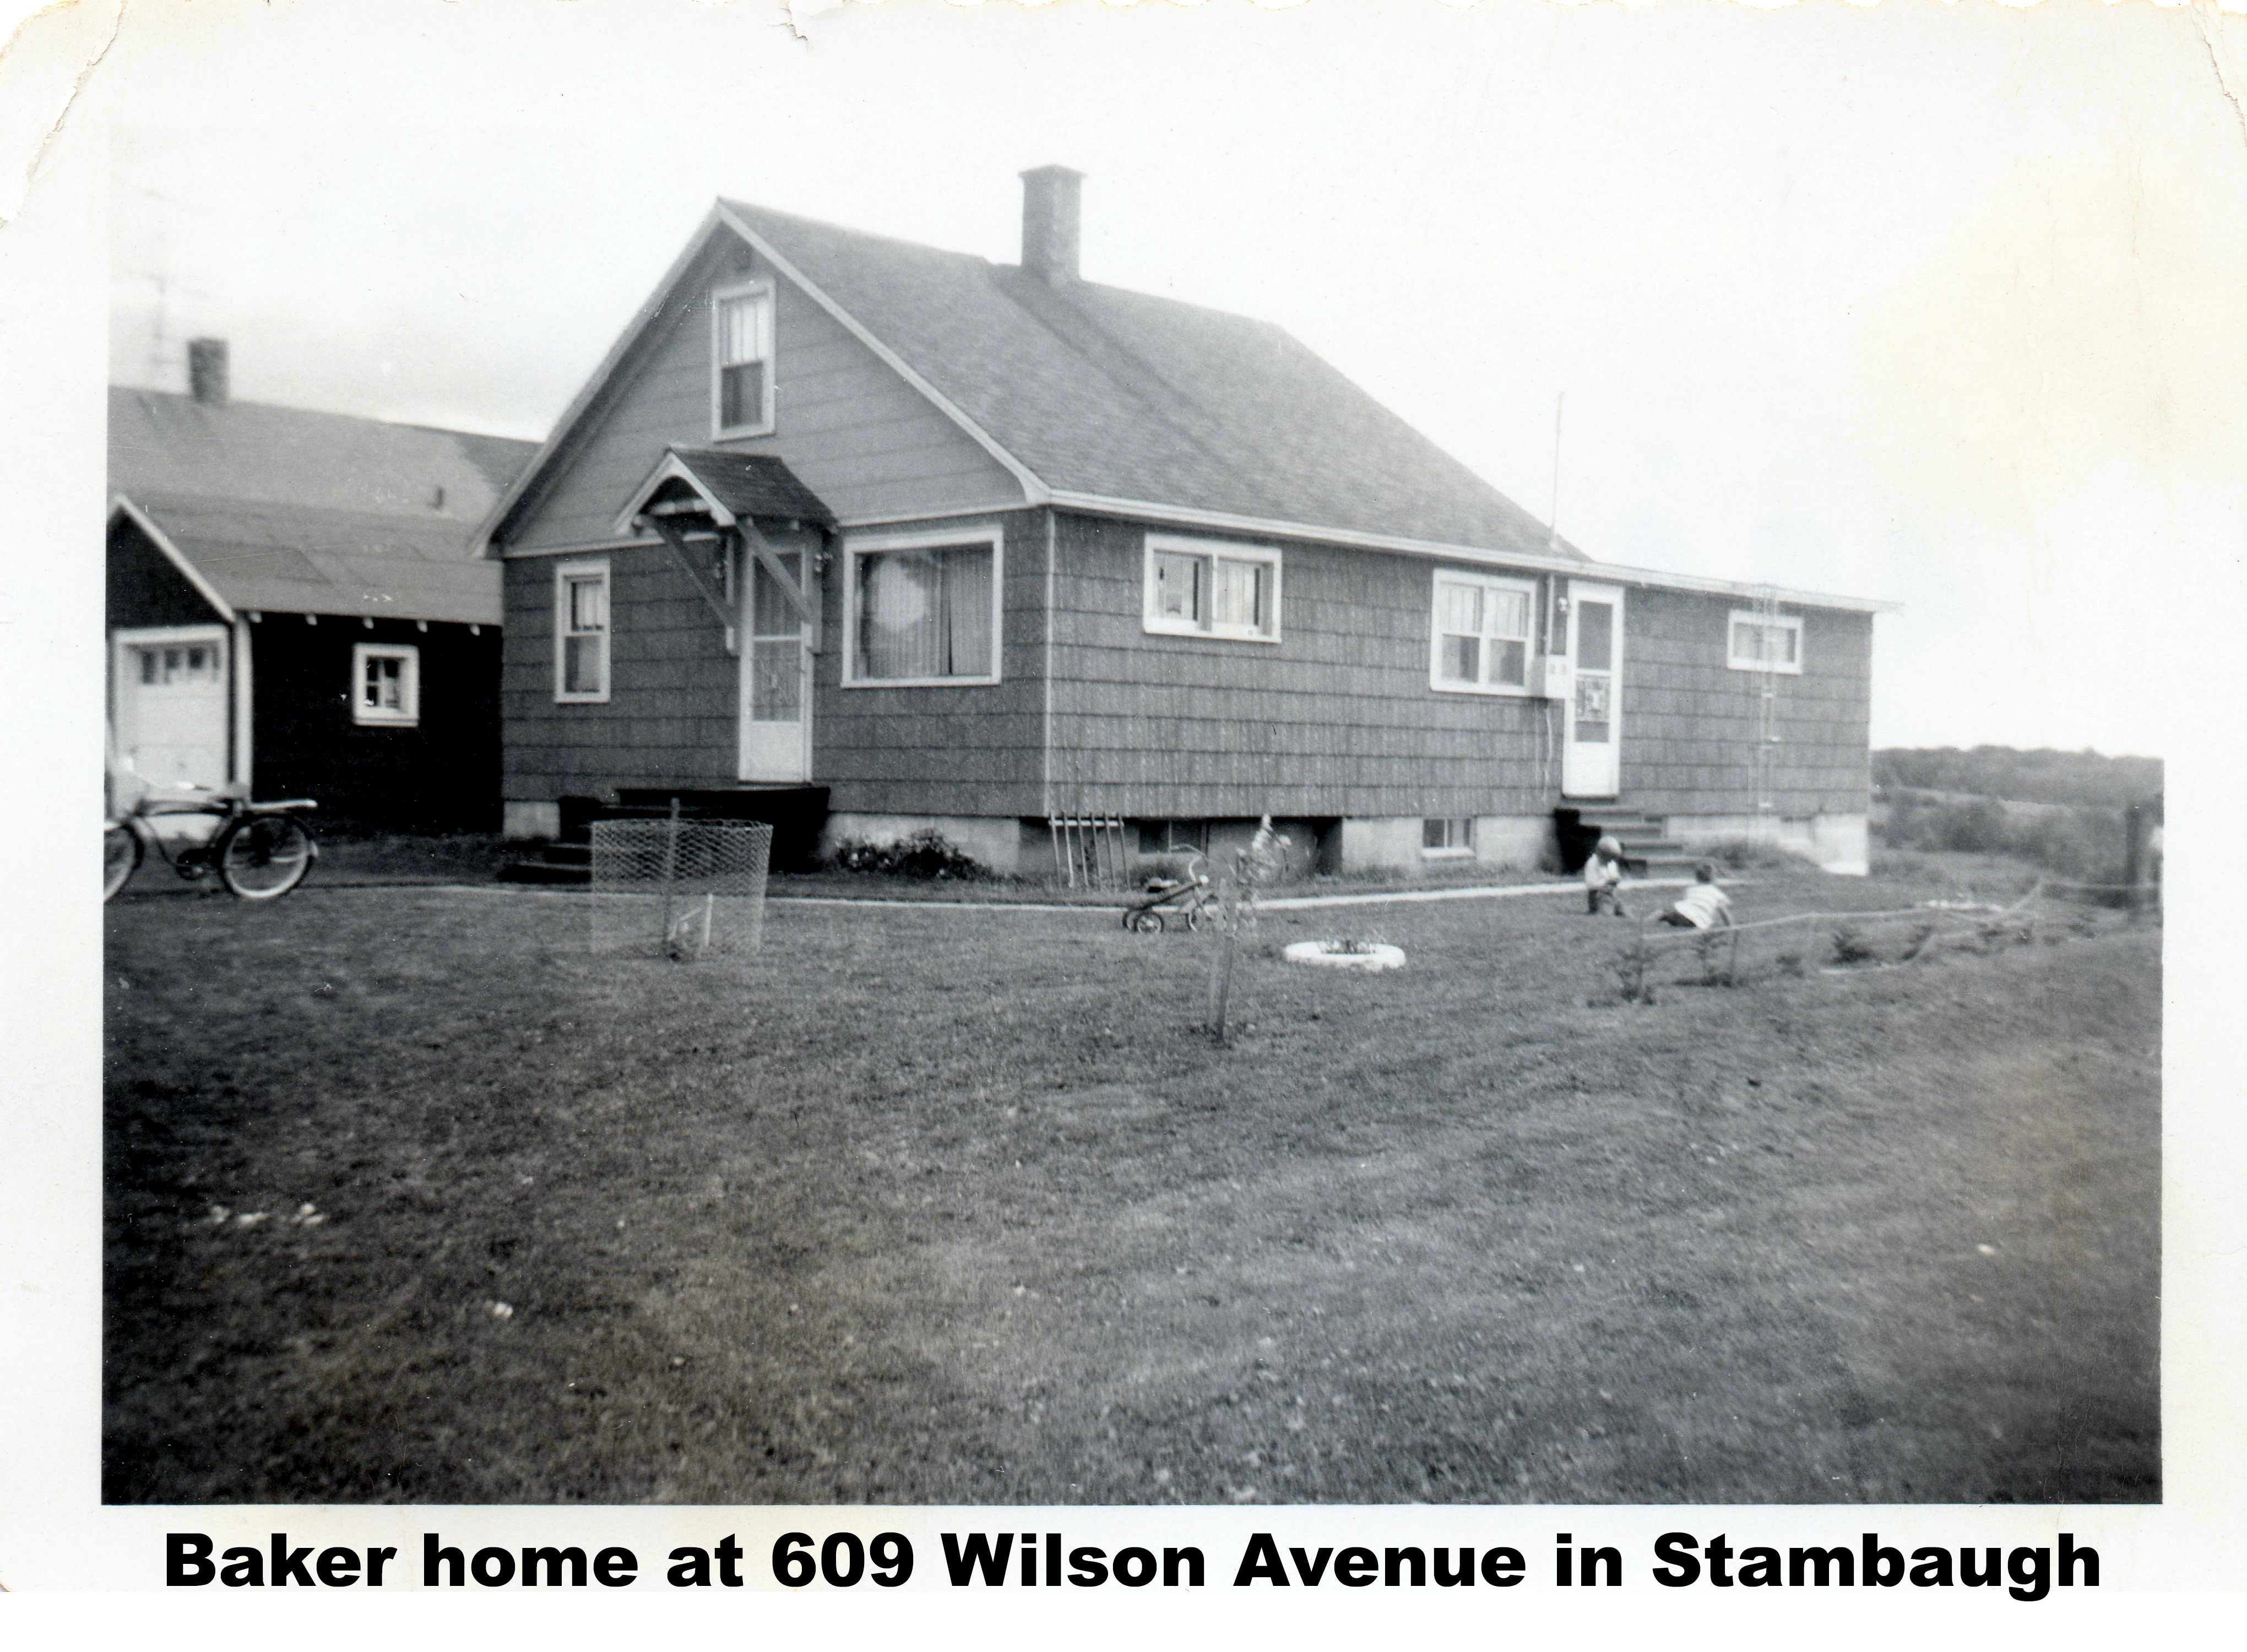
(927, 853)
(1739, 853)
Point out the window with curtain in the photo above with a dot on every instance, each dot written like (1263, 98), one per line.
(1484, 631)
(925, 613)
(581, 627)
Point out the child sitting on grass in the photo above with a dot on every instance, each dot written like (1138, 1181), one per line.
(1704, 905)
(1603, 877)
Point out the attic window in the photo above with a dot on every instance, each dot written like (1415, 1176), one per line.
(742, 361)
(1211, 588)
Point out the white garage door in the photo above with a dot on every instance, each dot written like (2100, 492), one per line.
(172, 704)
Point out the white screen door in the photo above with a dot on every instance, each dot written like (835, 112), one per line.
(1591, 758)
(172, 699)
(775, 679)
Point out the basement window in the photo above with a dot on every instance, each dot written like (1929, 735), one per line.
(1765, 642)
(1447, 839)
(386, 685)
(1211, 588)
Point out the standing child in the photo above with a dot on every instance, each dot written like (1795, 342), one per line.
(1603, 877)
(1702, 906)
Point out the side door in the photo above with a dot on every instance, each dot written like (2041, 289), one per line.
(775, 701)
(1591, 753)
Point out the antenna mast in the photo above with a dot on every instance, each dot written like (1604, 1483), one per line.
(1553, 521)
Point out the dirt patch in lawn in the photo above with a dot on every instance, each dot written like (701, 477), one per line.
(947, 1206)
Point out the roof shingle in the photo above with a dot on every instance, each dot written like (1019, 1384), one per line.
(1125, 396)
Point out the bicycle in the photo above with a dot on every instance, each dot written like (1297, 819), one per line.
(259, 851)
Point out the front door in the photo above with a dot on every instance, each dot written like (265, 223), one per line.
(775, 678)
(1591, 757)
(170, 704)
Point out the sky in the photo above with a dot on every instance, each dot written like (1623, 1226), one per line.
(1933, 303)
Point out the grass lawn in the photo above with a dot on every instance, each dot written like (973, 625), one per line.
(950, 1206)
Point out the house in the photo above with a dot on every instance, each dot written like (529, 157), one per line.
(979, 547)
(295, 603)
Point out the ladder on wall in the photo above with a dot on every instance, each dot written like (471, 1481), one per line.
(1765, 761)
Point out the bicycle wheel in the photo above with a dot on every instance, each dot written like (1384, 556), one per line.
(120, 858)
(263, 855)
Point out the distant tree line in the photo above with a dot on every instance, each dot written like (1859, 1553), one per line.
(2041, 776)
(1944, 798)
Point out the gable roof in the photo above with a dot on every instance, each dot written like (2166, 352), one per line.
(1111, 395)
(301, 559)
(164, 442)
(1099, 397)
(1103, 399)
(755, 485)
(304, 512)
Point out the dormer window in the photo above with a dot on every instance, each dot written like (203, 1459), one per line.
(742, 361)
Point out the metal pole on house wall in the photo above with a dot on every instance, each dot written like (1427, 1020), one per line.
(1552, 521)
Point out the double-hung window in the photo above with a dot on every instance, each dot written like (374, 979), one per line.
(1484, 631)
(922, 609)
(742, 360)
(1211, 588)
(385, 683)
(1765, 642)
(581, 632)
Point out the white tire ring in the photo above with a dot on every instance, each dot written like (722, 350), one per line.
(1377, 956)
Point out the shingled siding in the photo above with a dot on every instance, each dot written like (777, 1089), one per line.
(971, 750)
(437, 775)
(1690, 723)
(859, 437)
(671, 716)
(1337, 718)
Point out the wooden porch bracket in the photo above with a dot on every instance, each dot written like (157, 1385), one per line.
(713, 593)
(798, 598)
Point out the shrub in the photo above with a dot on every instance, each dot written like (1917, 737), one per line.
(926, 853)
(1849, 947)
(1741, 853)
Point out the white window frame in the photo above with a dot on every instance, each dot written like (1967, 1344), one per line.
(1527, 589)
(1215, 550)
(409, 686)
(1461, 850)
(719, 296)
(858, 546)
(1782, 621)
(563, 573)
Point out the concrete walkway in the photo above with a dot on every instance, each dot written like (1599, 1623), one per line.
(1278, 904)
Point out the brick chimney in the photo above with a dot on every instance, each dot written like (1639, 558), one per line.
(207, 371)
(1049, 223)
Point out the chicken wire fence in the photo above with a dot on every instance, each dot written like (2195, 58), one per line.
(683, 888)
